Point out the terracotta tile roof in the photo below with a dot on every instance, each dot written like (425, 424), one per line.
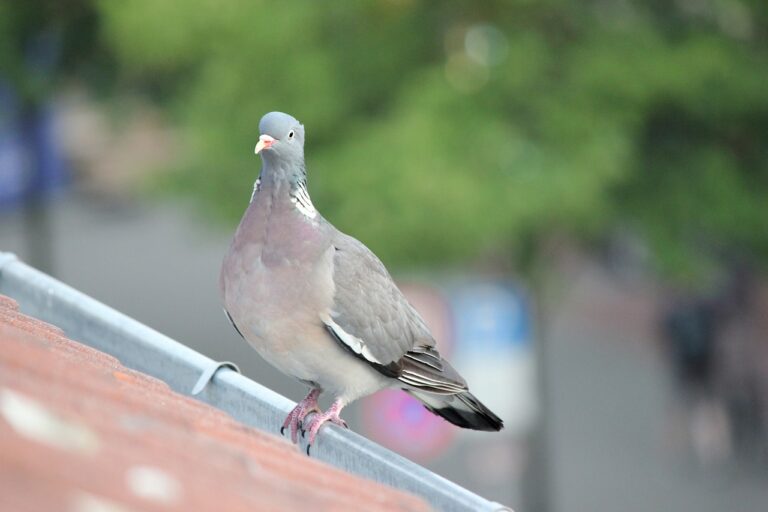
(80, 432)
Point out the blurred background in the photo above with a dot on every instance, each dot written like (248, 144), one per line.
(575, 195)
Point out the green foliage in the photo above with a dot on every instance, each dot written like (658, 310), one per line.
(442, 131)
(43, 42)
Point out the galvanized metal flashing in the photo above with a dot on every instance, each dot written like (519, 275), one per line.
(139, 347)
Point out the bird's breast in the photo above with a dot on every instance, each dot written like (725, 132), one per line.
(277, 270)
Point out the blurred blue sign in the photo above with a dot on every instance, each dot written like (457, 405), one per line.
(494, 341)
(31, 162)
(490, 316)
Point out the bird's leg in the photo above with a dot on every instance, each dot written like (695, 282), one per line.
(332, 415)
(297, 415)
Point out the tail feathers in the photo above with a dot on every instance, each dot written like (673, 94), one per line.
(462, 409)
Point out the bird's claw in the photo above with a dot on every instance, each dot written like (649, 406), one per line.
(295, 418)
(317, 421)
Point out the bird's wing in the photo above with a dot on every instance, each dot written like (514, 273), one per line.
(371, 318)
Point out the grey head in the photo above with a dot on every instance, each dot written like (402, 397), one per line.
(281, 145)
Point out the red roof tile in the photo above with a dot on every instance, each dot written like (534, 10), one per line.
(80, 432)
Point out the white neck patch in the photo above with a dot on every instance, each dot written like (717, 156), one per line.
(256, 187)
(300, 198)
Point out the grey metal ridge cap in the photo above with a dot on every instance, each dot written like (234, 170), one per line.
(142, 348)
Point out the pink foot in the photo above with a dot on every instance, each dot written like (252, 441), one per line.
(317, 421)
(297, 415)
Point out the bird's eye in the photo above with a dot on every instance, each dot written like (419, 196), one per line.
(290, 134)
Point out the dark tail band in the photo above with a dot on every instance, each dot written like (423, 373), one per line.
(462, 409)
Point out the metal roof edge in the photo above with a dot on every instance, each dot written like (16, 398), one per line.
(137, 346)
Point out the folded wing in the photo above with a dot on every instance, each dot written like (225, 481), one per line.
(371, 319)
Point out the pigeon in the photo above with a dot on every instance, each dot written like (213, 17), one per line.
(321, 307)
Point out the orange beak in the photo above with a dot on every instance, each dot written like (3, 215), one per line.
(265, 142)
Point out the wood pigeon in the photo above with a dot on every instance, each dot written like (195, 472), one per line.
(321, 307)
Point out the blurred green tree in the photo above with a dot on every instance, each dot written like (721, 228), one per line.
(44, 43)
(441, 131)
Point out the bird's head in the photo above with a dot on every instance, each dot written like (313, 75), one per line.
(281, 139)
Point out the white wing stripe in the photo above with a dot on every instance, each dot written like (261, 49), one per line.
(356, 344)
